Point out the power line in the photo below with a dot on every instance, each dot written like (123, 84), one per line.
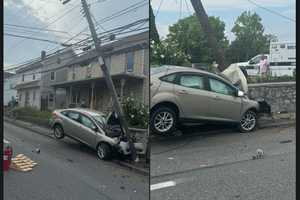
(31, 38)
(271, 11)
(35, 28)
(123, 12)
(117, 31)
(160, 3)
(187, 7)
(58, 18)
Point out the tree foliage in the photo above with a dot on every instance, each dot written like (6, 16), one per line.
(250, 38)
(187, 43)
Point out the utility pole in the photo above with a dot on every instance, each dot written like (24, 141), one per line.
(212, 42)
(108, 79)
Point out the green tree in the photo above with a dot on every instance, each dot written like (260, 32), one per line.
(188, 37)
(250, 38)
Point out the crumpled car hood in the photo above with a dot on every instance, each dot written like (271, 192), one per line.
(235, 75)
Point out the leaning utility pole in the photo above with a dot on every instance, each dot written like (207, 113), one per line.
(212, 42)
(108, 79)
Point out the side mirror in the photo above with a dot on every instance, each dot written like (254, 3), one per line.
(95, 128)
(240, 93)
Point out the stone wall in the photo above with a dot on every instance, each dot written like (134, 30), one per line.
(281, 96)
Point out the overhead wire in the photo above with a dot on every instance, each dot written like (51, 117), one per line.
(271, 11)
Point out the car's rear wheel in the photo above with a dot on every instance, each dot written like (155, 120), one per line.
(163, 121)
(104, 151)
(58, 132)
(248, 122)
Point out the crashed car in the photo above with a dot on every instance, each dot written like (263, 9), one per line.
(184, 94)
(91, 127)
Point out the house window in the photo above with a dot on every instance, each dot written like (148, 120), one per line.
(23, 77)
(33, 96)
(20, 97)
(52, 76)
(51, 97)
(33, 76)
(282, 46)
(130, 61)
(291, 47)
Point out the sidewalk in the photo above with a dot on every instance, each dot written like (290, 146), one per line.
(140, 167)
(277, 120)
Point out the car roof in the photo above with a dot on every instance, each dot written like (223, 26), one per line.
(84, 110)
(173, 68)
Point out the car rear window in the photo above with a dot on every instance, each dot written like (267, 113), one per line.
(169, 78)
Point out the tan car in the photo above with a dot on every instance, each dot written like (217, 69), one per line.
(183, 94)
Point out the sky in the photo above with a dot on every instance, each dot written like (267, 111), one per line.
(52, 14)
(228, 11)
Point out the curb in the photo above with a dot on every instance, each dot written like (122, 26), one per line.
(28, 128)
(139, 170)
(274, 125)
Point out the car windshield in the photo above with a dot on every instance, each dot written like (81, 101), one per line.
(156, 70)
(100, 119)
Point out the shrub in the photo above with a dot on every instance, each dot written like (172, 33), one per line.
(136, 113)
(32, 115)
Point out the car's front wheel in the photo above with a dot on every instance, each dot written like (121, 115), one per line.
(104, 151)
(163, 121)
(248, 121)
(58, 132)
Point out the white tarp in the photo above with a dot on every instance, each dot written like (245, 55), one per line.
(236, 76)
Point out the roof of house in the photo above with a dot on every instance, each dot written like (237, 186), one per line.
(8, 74)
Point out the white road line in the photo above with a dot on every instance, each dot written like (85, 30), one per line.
(158, 186)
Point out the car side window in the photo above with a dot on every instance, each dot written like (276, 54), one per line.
(220, 87)
(169, 78)
(74, 116)
(65, 113)
(192, 81)
(87, 122)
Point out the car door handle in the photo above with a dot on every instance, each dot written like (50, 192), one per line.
(182, 92)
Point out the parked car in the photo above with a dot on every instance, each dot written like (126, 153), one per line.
(183, 94)
(87, 126)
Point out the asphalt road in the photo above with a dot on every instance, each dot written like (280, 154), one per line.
(196, 166)
(67, 170)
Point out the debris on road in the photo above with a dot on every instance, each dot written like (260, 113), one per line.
(22, 163)
(259, 154)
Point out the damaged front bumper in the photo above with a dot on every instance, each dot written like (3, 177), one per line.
(264, 107)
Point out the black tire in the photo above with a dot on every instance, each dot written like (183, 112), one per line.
(58, 131)
(253, 115)
(104, 151)
(154, 116)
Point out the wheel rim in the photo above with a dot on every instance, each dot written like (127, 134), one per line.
(57, 132)
(163, 121)
(248, 121)
(100, 152)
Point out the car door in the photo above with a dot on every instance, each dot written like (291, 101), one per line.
(192, 96)
(87, 133)
(72, 123)
(224, 103)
